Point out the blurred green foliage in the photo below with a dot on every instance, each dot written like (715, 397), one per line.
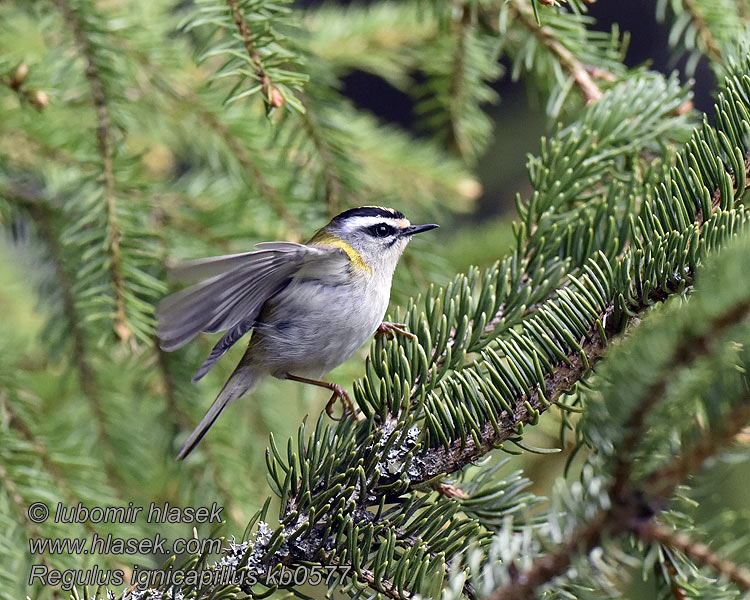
(137, 133)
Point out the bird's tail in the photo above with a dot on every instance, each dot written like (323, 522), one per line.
(241, 381)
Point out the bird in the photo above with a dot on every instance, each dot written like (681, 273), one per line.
(309, 306)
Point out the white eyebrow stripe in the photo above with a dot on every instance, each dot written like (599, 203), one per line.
(357, 222)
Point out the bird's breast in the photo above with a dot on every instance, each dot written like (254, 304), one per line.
(312, 326)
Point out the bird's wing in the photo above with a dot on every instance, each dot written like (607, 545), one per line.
(235, 293)
(202, 268)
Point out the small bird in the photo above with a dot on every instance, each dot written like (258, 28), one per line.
(310, 306)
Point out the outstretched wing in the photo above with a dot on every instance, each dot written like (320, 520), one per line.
(233, 295)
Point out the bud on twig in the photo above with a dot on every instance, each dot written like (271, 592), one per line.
(19, 76)
(275, 98)
(39, 99)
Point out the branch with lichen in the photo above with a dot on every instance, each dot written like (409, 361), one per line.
(633, 511)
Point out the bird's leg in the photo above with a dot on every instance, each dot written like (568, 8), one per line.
(388, 329)
(339, 393)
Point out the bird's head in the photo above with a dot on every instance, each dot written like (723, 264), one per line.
(373, 235)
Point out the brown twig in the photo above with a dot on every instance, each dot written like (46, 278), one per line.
(105, 146)
(40, 212)
(271, 95)
(632, 512)
(567, 59)
(704, 32)
(386, 588)
(462, 26)
(37, 98)
(697, 551)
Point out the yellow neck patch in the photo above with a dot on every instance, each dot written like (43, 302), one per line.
(323, 237)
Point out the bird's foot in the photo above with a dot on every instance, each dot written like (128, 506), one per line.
(340, 393)
(388, 329)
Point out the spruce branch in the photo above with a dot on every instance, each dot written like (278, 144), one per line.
(631, 511)
(42, 214)
(271, 95)
(663, 482)
(462, 24)
(691, 347)
(635, 501)
(578, 71)
(183, 421)
(36, 147)
(15, 495)
(188, 100)
(653, 531)
(331, 176)
(106, 147)
(407, 449)
(15, 82)
(704, 31)
(22, 514)
(51, 466)
(257, 52)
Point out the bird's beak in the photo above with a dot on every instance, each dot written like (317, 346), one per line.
(412, 229)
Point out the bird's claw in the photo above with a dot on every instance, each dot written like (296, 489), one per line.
(340, 393)
(388, 329)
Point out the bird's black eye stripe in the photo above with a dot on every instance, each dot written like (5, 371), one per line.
(381, 230)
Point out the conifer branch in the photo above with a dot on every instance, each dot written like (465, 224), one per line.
(386, 588)
(15, 82)
(271, 95)
(244, 157)
(185, 98)
(631, 512)
(677, 592)
(36, 147)
(39, 212)
(183, 421)
(578, 71)
(697, 551)
(633, 505)
(105, 146)
(21, 507)
(439, 461)
(463, 26)
(15, 496)
(686, 353)
(16, 422)
(704, 32)
(333, 185)
(667, 479)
